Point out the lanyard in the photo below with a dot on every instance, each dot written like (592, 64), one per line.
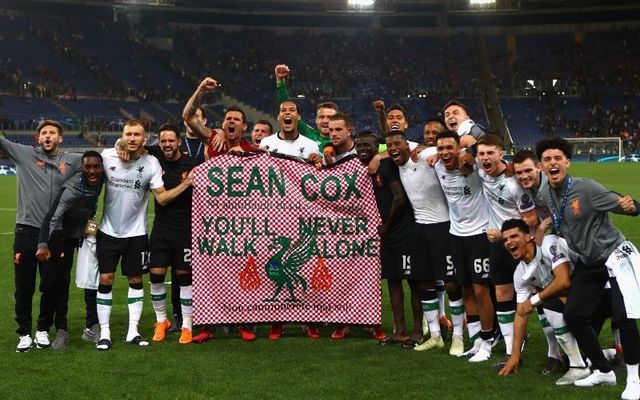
(189, 148)
(558, 215)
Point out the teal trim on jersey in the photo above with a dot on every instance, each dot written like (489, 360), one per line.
(561, 331)
(132, 300)
(158, 297)
(506, 318)
(429, 305)
(104, 302)
(456, 310)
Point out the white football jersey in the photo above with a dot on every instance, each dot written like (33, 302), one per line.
(467, 205)
(127, 193)
(528, 279)
(505, 197)
(423, 189)
(301, 147)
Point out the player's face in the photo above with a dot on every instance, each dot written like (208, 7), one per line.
(322, 120)
(398, 149)
(202, 119)
(49, 138)
(453, 116)
(527, 173)
(339, 132)
(516, 242)
(490, 158)
(170, 145)
(396, 120)
(92, 170)
(288, 117)
(366, 148)
(133, 136)
(555, 165)
(259, 132)
(233, 125)
(448, 150)
(431, 130)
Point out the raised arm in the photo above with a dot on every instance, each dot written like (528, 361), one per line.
(189, 113)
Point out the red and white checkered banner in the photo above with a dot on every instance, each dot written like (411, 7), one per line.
(277, 240)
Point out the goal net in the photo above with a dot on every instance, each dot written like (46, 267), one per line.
(597, 148)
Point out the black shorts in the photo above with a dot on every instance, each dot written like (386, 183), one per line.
(134, 252)
(395, 260)
(502, 264)
(433, 251)
(471, 259)
(170, 248)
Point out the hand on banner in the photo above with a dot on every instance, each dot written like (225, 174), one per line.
(316, 160)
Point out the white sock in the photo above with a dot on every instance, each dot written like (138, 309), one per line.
(186, 305)
(104, 303)
(553, 350)
(457, 316)
(430, 312)
(159, 301)
(632, 373)
(136, 301)
(473, 329)
(440, 292)
(565, 338)
(505, 320)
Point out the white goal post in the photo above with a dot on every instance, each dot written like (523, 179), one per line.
(597, 147)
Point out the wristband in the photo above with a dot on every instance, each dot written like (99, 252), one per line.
(536, 300)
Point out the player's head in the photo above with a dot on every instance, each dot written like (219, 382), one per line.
(261, 129)
(527, 169)
(366, 146)
(133, 135)
(49, 135)
(397, 118)
(398, 147)
(448, 147)
(432, 127)
(288, 116)
(324, 111)
(490, 153)
(555, 155)
(517, 237)
(340, 129)
(200, 115)
(92, 167)
(454, 114)
(234, 123)
(170, 140)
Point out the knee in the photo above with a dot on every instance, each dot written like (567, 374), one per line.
(106, 279)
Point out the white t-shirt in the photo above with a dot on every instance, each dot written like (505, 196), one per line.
(127, 192)
(505, 197)
(528, 279)
(423, 189)
(301, 147)
(467, 205)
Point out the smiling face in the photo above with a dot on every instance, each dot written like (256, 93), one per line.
(527, 174)
(49, 138)
(431, 130)
(490, 158)
(398, 149)
(555, 165)
(454, 115)
(322, 119)
(92, 169)
(288, 117)
(448, 150)
(170, 145)
(396, 120)
(518, 244)
(366, 147)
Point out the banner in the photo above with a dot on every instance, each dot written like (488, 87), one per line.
(275, 239)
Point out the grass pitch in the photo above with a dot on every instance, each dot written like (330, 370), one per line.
(293, 367)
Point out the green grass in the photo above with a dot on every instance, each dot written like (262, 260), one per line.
(294, 367)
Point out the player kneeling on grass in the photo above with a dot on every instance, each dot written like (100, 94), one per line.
(541, 277)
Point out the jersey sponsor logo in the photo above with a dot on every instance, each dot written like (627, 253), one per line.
(575, 208)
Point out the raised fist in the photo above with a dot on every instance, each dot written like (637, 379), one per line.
(282, 71)
(208, 84)
(379, 105)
